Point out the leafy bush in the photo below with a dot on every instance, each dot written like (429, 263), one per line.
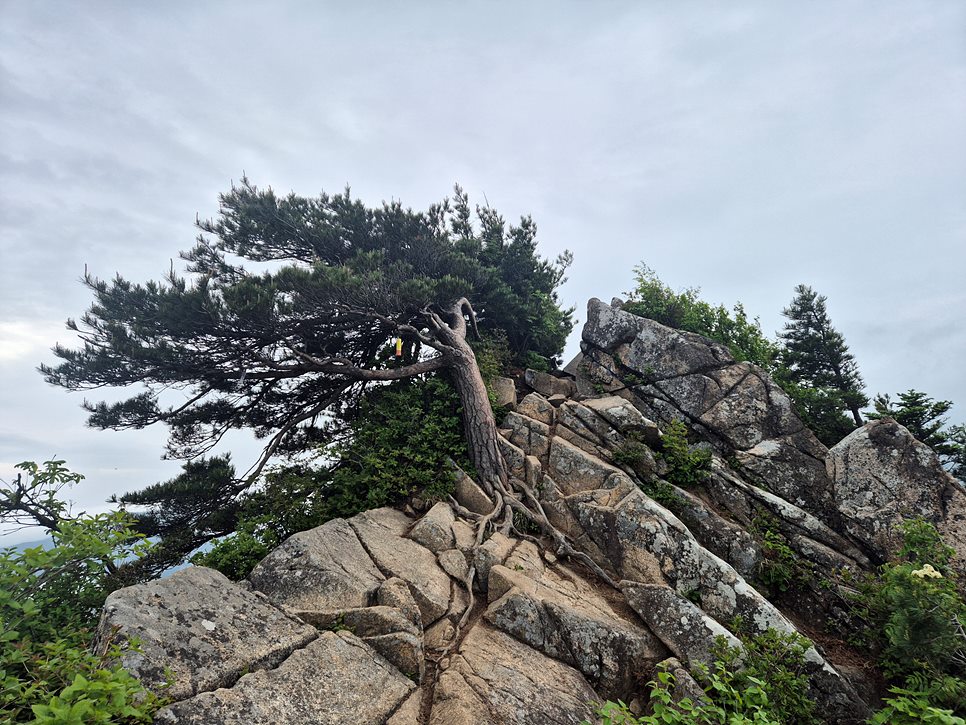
(820, 408)
(237, 554)
(765, 683)
(687, 466)
(634, 454)
(777, 659)
(782, 567)
(727, 705)
(403, 437)
(914, 609)
(912, 707)
(686, 311)
(49, 602)
(914, 618)
(538, 362)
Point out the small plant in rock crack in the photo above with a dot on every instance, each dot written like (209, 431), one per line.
(634, 454)
(339, 625)
(664, 493)
(781, 568)
(687, 465)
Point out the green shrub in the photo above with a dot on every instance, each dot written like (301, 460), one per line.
(687, 466)
(912, 707)
(922, 544)
(913, 609)
(402, 439)
(634, 454)
(237, 554)
(493, 354)
(765, 683)
(777, 659)
(921, 617)
(49, 602)
(664, 493)
(727, 705)
(912, 615)
(538, 362)
(781, 568)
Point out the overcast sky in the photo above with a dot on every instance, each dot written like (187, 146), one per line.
(739, 147)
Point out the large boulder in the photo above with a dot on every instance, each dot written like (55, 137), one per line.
(883, 476)
(414, 564)
(197, 631)
(557, 612)
(687, 631)
(504, 391)
(325, 568)
(435, 529)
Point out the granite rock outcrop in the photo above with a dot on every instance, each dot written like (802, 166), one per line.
(358, 620)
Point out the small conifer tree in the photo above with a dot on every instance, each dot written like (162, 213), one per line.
(815, 353)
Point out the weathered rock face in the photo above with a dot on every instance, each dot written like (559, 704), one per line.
(200, 628)
(356, 620)
(883, 476)
(323, 569)
(669, 374)
(334, 680)
(496, 679)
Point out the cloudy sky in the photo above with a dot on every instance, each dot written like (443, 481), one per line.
(739, 147)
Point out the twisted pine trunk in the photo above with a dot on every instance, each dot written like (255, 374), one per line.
(479, 425)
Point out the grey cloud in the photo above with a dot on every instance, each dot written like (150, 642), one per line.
(739, 148)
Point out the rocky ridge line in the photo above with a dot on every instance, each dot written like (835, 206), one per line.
(354, 621)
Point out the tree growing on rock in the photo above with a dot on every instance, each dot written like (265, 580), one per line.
(283, 348)
(816, 355)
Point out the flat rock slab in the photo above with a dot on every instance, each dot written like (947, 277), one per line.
(568, 620)
(199, 627)
(538, 408)
(624, 417)
(337, 679)
(325, 569)
(496, 680)
(576, 470)
(414, 564)
(389, 518)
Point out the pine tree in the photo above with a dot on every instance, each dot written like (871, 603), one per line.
(815, 353)
(283, 323)
(925, 419)
(921, 415)
(956, 462)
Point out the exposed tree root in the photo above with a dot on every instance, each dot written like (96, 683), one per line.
(511, 495)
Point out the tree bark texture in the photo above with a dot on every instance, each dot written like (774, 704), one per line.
(479, 425)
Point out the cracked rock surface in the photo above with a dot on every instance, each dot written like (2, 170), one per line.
(357, 620)
(336, 679)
